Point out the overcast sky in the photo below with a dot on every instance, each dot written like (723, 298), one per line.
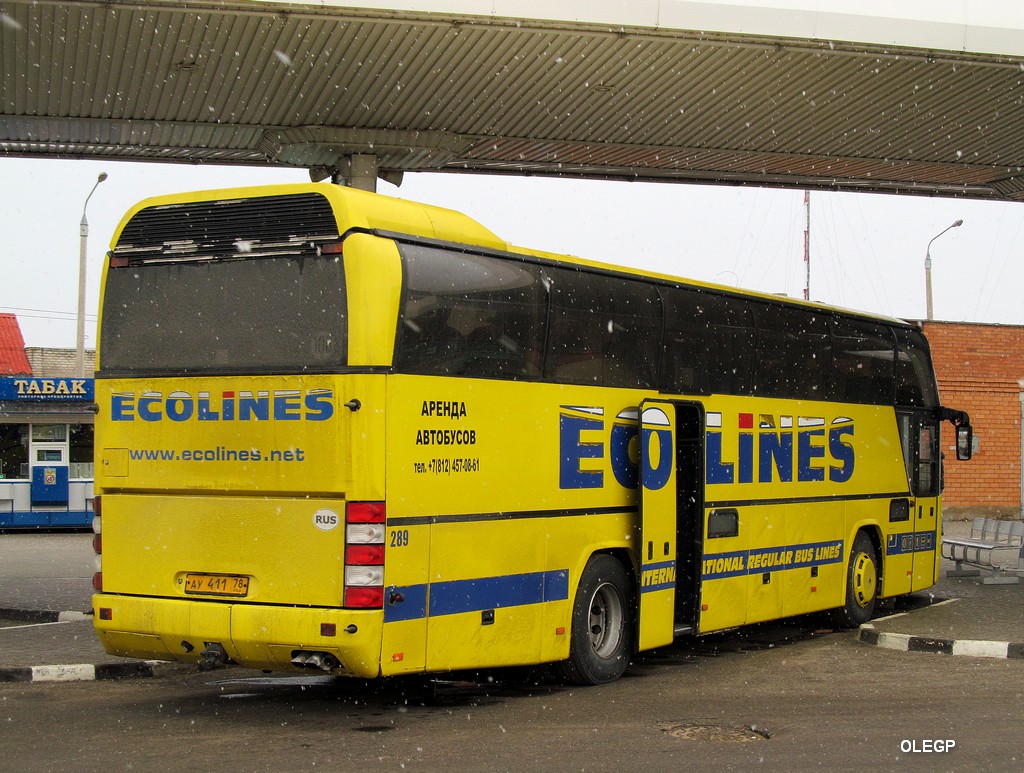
(867, 251)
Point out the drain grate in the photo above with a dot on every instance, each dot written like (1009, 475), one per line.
(708, 731)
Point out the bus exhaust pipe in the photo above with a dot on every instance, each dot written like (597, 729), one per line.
(324, 661)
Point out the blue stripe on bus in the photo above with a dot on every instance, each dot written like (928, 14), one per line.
(658, 576)
(721, 565)
(920, 542)
(456, 596)
(718, 566)
(413, 605)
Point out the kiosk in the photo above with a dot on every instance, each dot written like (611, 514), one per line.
(46, 452)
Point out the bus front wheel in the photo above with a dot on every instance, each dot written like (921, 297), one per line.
(601, 635)
(861, 585)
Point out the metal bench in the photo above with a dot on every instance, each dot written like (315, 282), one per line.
(994, 544)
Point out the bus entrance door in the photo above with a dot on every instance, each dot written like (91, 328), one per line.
(657, 549)
(913, 543)
(928, 486)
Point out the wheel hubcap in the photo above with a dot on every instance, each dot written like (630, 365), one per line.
(865, 579)
(606, 615)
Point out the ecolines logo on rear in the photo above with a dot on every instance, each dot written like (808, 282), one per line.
(243, 405)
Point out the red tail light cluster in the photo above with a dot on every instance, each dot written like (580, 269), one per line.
(365, 524)
(97, 543)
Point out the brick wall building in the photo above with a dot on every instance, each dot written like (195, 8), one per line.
(58, 362)
(979, 368)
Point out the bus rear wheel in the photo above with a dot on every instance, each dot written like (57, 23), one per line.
(601, 637)
(861, 585)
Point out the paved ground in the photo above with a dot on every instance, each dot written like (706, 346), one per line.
(45, 599)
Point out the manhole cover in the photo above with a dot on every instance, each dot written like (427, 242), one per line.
(707, 731)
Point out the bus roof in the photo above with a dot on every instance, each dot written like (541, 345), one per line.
(356, 208)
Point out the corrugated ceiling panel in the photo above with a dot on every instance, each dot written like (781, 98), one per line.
(644, 98)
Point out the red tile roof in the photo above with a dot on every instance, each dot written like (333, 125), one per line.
(13, 361)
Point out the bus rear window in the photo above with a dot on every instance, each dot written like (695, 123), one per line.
(226, 286)
(231, 316)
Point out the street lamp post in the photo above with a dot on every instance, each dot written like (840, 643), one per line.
(928, 266)
(84, 234)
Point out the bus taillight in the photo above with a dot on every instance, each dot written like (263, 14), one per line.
(97, 544)
(364, 554)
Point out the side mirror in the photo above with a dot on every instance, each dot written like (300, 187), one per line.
(964, 442)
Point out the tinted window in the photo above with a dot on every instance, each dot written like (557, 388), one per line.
(604, 330)
(709, 343)
(915, 381)
(864, 354)
(239, 315)
(794, 353)
(471, 315)
(730, 344)
(684, 360)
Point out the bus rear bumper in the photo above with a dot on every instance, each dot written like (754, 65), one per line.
(254, 636)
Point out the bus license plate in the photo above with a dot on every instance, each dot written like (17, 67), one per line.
(217, 584)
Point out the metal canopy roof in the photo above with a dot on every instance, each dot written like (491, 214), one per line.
(309, 85)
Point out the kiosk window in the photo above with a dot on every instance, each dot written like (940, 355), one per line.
(49, 433)
(13, 450)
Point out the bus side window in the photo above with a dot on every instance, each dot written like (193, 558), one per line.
(794, 353)
(604, 330)
(683, 366)
(429, 340)
(470, 315)
(708, 343)
(730, 359)
(730, 344)
(633, 343)
(863, 364)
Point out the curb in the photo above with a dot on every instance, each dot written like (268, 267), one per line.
(80, 672)
(43, 616)
(973, 648)
(83, 672)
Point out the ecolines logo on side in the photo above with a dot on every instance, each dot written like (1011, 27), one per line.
(769, 448)
(577, 425)
(261, 405)
(763, 448)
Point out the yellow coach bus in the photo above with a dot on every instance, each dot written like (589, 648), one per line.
(349, 433)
